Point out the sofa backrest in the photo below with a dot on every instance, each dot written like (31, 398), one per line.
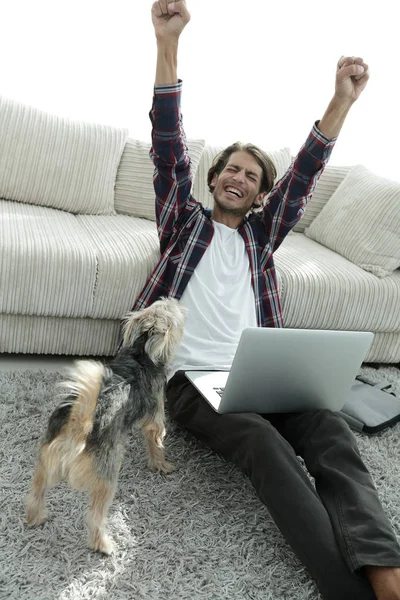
(134, 191)
(87, 168)
(56, 162)
(329, 181)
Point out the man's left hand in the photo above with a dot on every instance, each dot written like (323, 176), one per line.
(349, 81)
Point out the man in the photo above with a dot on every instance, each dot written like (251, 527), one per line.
(220, 265)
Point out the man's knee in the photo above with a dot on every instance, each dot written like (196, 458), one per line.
(329, 420)
(327, 428)
(324, 417)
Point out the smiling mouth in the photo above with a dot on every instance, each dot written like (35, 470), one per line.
(234, 193)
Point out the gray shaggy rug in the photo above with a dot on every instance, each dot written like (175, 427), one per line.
(199, 533)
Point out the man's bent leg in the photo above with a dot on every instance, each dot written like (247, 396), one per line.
(330, 451)
(257, 448)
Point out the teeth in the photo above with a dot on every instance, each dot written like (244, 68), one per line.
(235, 191)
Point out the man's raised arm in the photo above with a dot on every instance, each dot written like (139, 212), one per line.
(169, 153)
(289, 197)
(169, 20)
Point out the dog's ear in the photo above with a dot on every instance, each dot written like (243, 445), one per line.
(134, 325)
(160, 327)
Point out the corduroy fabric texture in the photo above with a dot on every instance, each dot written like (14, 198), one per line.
(51, 161)
(361, 222)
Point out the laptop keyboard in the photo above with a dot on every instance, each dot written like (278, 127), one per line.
(219, 391)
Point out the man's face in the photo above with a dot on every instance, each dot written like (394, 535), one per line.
(237, 186)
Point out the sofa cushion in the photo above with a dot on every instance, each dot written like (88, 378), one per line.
(324, 290)
(30, 334)
(127, 250)
(361, 222)
(134, 192)
(47, 263)
(332, 176)
(51, 161)
(281, 159)
(100, 337)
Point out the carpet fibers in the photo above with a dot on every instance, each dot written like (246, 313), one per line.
(198, 533)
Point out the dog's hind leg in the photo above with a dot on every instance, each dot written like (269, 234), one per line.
(82, 476)
(154, 433)
(47, 473)
(101, 496)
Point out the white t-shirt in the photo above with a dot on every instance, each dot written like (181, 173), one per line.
(221, 303)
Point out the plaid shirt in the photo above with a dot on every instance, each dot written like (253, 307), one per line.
(185, 228)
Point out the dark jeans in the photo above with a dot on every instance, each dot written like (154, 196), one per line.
(335, 529)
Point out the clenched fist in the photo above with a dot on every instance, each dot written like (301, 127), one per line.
(169, 19)
(352, 76)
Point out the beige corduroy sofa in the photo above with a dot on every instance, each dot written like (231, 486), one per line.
(78, 239)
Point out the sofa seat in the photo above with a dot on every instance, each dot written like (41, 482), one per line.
(323, 290)
(126, 250)
(77, 266)
(47, 260)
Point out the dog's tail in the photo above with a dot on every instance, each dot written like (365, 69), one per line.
(82, 389)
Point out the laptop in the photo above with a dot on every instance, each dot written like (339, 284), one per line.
(277, 370)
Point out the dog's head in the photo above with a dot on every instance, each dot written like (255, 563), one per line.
(160, 327)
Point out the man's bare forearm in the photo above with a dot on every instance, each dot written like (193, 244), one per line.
(169, 20)
(334, 117)
(167, 60)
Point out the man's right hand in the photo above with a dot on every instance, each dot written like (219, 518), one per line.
(169, 19)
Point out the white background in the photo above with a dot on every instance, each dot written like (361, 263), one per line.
(255, 70)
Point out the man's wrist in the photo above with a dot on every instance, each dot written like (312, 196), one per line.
(168, 43)
(334, 117)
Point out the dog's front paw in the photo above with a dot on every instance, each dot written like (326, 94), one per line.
(162, 466)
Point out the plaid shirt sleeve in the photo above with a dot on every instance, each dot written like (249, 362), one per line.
(288, 199)
(172, 176)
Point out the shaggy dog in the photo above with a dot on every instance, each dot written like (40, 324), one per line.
(86, 434)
